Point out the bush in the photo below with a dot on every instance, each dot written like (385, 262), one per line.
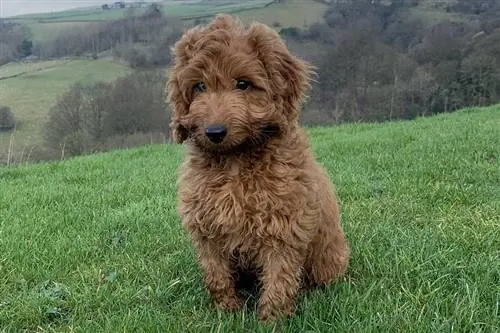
(103, 116)
(7, 121)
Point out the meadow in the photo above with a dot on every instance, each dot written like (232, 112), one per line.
(94, 244)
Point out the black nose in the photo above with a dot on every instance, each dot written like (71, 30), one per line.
(216, 132)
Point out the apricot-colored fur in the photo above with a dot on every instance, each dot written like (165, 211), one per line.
(258, 200)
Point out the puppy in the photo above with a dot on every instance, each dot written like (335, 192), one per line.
(251, 195)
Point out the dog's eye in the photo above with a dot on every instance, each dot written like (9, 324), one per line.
(199, 87)
(243, 84)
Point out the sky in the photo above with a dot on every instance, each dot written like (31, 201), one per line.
(17, 7)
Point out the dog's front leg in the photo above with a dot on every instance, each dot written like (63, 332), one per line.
(218, 275)
(282, 271)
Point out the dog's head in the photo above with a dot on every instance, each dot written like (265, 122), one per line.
(233, 85)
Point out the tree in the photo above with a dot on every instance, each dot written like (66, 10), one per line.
(14, 39)
(7, 121)
(64, 128)
(25, 47)
(138, 104)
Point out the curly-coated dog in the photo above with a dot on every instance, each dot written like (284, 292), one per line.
(252, 196)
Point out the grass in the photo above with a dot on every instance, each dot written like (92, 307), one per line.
(94, 244)
(31, 95)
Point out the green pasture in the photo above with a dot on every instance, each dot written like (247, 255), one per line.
(94, 244)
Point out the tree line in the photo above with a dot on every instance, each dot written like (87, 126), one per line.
(379, 61)
(15, 41)
(104, 116)
(142, 39)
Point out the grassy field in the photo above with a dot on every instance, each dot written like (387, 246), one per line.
(292, 13)
(31, 94)
(297, 13)
(94, 244)
(173, 8)
(45, 26)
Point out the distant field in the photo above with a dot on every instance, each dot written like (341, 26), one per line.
(172, 8)
(14, 68)
(47, 31)
(292, 13)
(31, 95)
(94, 244)
(48, 24)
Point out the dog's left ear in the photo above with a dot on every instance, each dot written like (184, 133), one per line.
(290, 76)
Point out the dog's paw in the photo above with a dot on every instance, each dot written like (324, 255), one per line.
(270, 313)
(229, 303)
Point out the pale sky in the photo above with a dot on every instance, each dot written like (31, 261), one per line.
(17, 7)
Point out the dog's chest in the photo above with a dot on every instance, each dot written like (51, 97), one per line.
(243, 205)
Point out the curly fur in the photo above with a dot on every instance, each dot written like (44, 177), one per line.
(258, 200)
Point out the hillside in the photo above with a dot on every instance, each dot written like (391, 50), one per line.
(46, 25)
(31, 89)
(94, 244)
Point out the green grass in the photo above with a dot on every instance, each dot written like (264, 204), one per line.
(31, 95)
(94, 244)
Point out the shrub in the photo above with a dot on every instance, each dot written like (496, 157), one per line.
(7, 121)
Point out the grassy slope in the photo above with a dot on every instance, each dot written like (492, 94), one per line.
(94, 244)
(31, 95)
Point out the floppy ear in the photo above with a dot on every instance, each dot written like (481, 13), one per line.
(289, 76)
(182, 51)
(179, 108)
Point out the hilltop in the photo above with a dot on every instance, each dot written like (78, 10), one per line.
(94, 244)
